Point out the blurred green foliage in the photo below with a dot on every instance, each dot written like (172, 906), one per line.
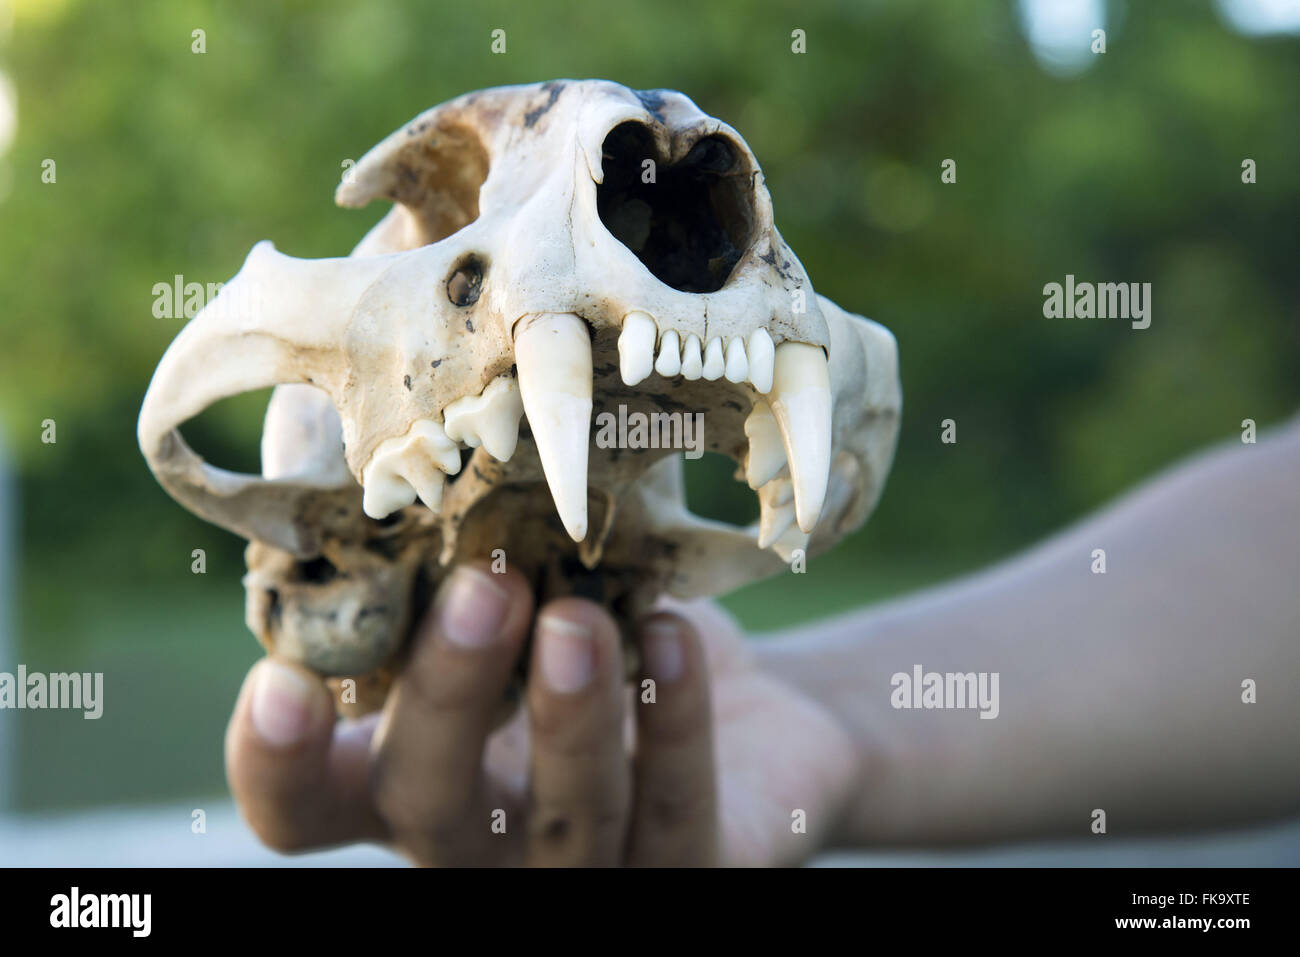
(171, 162)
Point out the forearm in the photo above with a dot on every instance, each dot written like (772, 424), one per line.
(1120, 691)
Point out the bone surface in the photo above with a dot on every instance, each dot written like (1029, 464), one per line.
(437, 392)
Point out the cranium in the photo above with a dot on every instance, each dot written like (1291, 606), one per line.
(555, 252)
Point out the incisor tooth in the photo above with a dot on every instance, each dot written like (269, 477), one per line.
(670, 355)
(766, 452)
(737, 365)
(490, 419)
(761, 356)
(553, 355)
(692, 361)
(714, 364)
(801, 403)
(636, 347)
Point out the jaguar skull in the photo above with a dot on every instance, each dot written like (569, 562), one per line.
(557, 254)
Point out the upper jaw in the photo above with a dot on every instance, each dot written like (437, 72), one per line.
(771, 404)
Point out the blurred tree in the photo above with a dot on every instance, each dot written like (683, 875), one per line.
(175, 162)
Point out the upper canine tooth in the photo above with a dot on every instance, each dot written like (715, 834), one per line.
(766, 452)
(761, 357)
(692, 361)
(636, 347)
(553, 355)
(490, 419)
(670, 355)
(714, 365)
(737, 365)
(801, 403)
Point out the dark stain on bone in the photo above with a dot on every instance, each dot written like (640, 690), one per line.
(769, 257)
(653, 101)
(406, 381)
(435, 363)
(469, 324)
(667, 403)
(532, 116)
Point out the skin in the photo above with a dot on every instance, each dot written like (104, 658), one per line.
(1120, 691)
(592, 776)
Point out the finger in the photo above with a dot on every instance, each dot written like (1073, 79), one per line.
(427, 773)
(580, 784)
(675, 806)
(298, 776)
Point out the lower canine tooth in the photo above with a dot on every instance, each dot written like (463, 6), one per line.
(553, 355)
(761, 356)
(670, 355)
(801, 403)
(775, 517)
(766, 452)
(737, 365)
(692, 361)
(636, 347)
(714, 364)
(792, 538)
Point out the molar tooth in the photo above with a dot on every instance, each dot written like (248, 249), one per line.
(801, 404)
(490, 419)
(385, 493)
(766, 457)
(553, 355)
(714, 365)
(427, 482)
(761, 357)
(636, 347)
(737, 367)
(692, 361)
(670, 356)
(406, 465)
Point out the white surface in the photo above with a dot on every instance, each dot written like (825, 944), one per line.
(161, 837)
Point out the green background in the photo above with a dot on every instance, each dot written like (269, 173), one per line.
(171, 162)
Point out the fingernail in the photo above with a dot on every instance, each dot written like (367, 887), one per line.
(567, 654)
(282, 704)
(664, 658)
(472, 608)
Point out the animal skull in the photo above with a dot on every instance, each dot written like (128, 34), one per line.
(555, 251)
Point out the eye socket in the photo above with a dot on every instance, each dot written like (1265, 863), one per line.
(466, 282)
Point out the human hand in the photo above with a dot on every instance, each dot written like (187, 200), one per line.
(586, 772)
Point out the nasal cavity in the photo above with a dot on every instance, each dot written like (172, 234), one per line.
(690, 222)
